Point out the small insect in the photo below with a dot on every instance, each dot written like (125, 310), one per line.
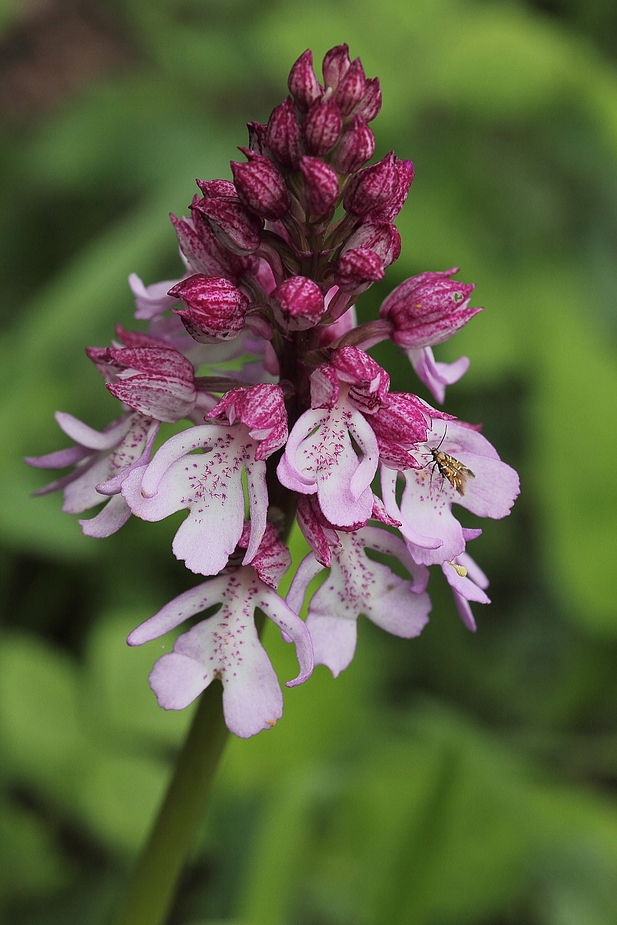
(450, 468)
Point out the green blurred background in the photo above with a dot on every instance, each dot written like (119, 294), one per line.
(449, 780)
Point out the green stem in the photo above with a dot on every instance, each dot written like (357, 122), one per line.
(153, 887)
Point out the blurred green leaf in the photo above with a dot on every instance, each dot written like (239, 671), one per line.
(29, 862)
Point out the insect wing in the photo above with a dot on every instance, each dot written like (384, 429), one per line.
(451, 469)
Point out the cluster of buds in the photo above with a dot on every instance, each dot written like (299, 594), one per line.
(305, 426)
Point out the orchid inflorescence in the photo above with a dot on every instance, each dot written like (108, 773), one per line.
(258, 349)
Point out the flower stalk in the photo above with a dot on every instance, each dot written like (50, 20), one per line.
(155, 880)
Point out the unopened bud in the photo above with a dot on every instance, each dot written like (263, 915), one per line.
(357, 267)
(356, 147)
(380, 237)
(215, 308)
(257, 137)
(389, 211)
(302, 83)
(261, 186)
(322, 127)
(336, 63)
(371, 101)
(298, 303)
(234, 226)
(427, 309)
(351, 88)
(217, 189)
(320, 185)
(283, 134)
(372, 187)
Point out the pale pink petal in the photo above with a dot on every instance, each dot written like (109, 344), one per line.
(108, 521)
(463, 585)
(81, 494)
(334, 640)
(493, 490)
(180, 609)
(388, 490)
(299, 467)
(258, 506)
(426, 502)
(358, 585)
(88, 437)
(473, 570)
(178, 680)
(436, 376)
(208, 484)
(293, 629)
(306, 571)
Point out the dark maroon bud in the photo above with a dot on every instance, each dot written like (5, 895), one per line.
(283, 134)
(380, 237)
(234, 226)
(322, 127)
(336, 63)
(257, 137)
(357, 267)
(217, 189)
(320, 185)
(351, 88)
(261, 186)
(372, 187)
(357, 146)
(371, 101)
(204, 252)
(393, 206)
(215, 308)
(302, 83)
(298, 303)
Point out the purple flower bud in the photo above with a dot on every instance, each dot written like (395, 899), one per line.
(427, 309)
(371, 101)
(380, 237)
(204, 252)
(336, 63)
(261, 186)
(320, 185)
(389, 211)
(217, 189)
(283, 134)
(298, 303)
(257, 137)
(322, 127)
(357, 267)
(215, 308)
(234, 226)
(372, 187)
(302, 83)
(356, 147)
(351, 88)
